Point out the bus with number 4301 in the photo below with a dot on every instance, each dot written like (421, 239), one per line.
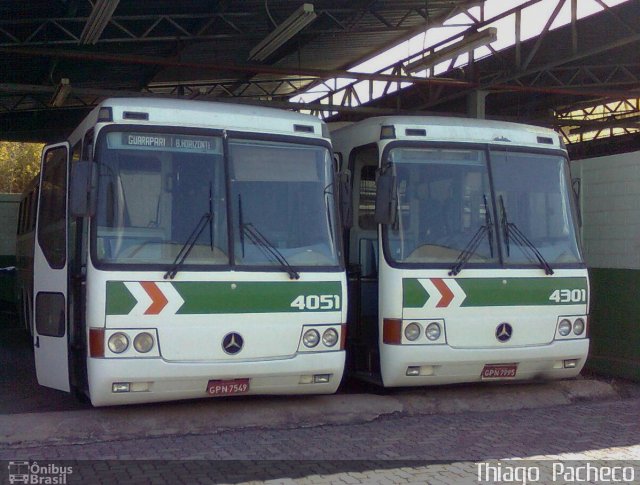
(463, 257)
(187, 249)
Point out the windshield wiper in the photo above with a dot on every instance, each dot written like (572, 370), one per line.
(328, 192)
(472, 245)
(504, 223)
(511, 231)
(489, 221)
(241, 223)
(211, 218)
(267, 247)
(207, 217)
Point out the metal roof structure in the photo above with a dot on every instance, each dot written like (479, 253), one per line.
(61, 57)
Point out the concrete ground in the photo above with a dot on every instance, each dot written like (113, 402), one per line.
(361, 435)
(282, 445)
(204, 416)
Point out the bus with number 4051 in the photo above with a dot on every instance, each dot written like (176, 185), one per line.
(187, 249)
(463, 257)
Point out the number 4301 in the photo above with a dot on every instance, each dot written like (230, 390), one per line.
(569, 296)
(316, 302)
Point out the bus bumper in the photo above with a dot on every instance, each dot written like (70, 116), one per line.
(153, 380)
(441, 364)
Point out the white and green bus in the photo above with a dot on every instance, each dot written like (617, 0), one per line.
(463, 257)
(188, 249)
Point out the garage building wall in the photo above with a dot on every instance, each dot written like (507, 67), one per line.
(9, 204)
(610, 205)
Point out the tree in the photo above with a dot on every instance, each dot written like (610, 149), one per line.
(19, 163)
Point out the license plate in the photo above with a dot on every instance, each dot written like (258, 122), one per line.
(499, 371)
(227, 387)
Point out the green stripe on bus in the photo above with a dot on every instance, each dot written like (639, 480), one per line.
(482, 292)
(120, 301)
(216, 297)
(519, 291)
(253, 297)
(413, 293)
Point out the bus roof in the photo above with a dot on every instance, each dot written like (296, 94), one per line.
(205, 114)
(445, 129)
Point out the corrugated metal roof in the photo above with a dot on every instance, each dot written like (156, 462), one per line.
(203, 31)
(200, 49)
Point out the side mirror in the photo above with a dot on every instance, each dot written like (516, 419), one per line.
(345, 203)
(576, 186)
(386, 199)
(337, 161)
(82, 193)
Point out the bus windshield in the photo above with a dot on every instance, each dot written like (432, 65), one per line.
(153, 190)
(161, 195)
(444, 200)
(282, 204)
(447, 207)
(533, 197)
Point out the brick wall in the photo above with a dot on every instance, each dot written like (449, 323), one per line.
(610, 202)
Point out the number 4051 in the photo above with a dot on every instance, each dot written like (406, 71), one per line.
(316, 302)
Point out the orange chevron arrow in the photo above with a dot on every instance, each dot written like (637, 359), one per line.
(447, 294)
(158, 300)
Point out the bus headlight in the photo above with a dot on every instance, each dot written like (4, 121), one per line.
(564, 328)
(433, 331)
(143, 342)
(412, 331)
(578, 326)
(330, 337)
(311, 338)
(118, 343)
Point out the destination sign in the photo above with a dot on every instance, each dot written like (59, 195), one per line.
(165, 142)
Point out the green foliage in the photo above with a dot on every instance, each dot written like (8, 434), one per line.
(19, 163)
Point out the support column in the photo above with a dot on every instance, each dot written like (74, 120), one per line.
(476, 104)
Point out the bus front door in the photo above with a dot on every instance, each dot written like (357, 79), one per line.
(50, 278)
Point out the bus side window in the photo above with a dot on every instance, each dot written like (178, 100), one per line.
(364, 238)
(364, 160)
(52, 228)
(367, 198)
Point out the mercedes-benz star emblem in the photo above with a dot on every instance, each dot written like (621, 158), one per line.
(504, 332)
(232, 343)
